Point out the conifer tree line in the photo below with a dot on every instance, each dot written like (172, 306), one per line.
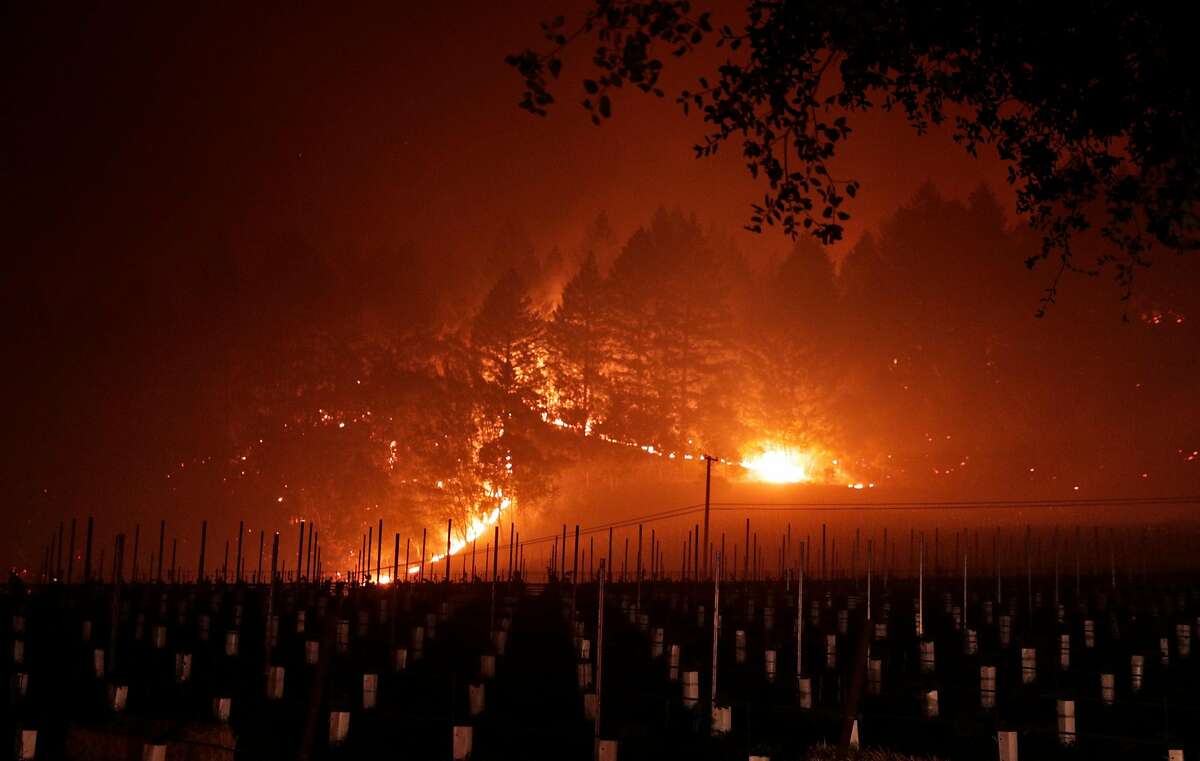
(457, 388)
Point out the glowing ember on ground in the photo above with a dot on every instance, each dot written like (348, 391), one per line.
(779, 466)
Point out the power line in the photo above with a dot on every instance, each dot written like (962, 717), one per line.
(956, 505)
(676, 512)
(679, 512)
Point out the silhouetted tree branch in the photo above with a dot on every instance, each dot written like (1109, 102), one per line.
(1089, 104)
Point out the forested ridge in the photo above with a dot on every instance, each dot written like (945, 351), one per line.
(449, 391)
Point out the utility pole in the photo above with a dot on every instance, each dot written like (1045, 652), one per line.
(708, 461)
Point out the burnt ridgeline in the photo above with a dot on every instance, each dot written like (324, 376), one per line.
(944, 665)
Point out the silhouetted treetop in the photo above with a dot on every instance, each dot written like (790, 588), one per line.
(1090, 105)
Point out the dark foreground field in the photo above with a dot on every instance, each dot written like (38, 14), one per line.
(428, 671)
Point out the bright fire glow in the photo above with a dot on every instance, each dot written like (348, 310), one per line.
(479, 524)
(779, 466)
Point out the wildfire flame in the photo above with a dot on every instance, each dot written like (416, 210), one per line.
(780, 466)
(479, 524)
(770, 463)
